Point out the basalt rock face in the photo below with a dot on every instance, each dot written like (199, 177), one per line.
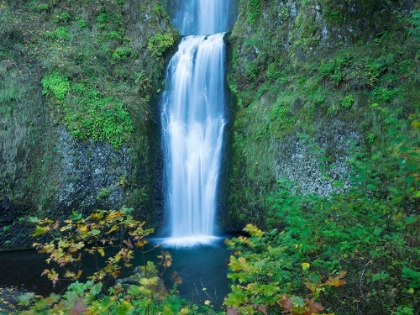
(304, 75)
(65, 151)
(79, 117)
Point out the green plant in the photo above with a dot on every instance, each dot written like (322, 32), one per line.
(370, 230)
(121, 53)
(56, 84)
(78, 236)
(43, 7)
(333, 69)
(95, 235)
(102, 19)
(253, 11)
(403, 310)
(103, 194)
(81, 22)
(88, 113)
(61, 33)
(284, 13)
(414, 20)
(268, 272)
(332, 110)
(371, 137)
(114, 35)
(347, 101)
(63, 17)
(158, 44)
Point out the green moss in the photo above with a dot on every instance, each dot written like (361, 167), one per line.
(104, 193)
(300, 88)
(253, 11)
(333, 14)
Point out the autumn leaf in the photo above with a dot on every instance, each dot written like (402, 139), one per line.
(113, 215)
(260, 308)
(141, 243)
(305, 266)
(416, 124)
(97, 216)
(313, 307)
(232, 311)
(128, 243)
(69, 274)
(39, 230)
(253, 230)
(101, 251)
(79, 307)
(336, 281)
(286, 302)
(176, 279)
(113, 229)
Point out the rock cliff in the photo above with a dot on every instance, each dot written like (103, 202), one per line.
(304, 75)
(78, 87)
(80, 82)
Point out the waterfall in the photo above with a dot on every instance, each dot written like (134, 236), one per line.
(202, 17)
(193, 120)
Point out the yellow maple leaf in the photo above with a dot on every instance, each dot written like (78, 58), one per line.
(336, 281)
(305, 266)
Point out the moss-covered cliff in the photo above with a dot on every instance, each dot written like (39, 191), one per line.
(305, 74)
(78, 123)
(78, 81)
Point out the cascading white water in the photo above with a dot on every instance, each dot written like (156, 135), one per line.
(202, 17)
(193, 121)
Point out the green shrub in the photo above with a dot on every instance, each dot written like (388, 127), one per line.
(414, 20)
(347, 101)
(253, 11)
(56, 84)
(102, 19)
(121, 53)
(367, 234)
(158, 44)
(61, 33)
(94, 235)
(103, 194)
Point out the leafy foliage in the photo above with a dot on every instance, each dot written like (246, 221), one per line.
(56, 84)
(88, 298)
(368, 233)
(87, 112)
(89, 62)
(158, 44)
(78, 236)
(415, 22)
(313, 81)
(269, 272)
(96, 235)
(253, 11)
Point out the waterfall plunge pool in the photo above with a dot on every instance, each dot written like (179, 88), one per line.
(202, 268)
